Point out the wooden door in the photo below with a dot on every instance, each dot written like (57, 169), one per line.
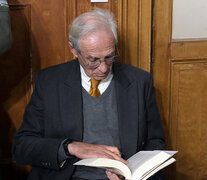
(40, 39)
(180, 73)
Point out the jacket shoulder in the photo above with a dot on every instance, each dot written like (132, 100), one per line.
(57, 72)
(134, 73)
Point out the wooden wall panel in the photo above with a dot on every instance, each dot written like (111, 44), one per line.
(15, 79)
(188, 117)
(134, 24)
(49, 36)
(17, 83)
(180, 74)
(129, 38)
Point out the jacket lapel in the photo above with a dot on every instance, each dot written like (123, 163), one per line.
(71, 103)
(127, 107)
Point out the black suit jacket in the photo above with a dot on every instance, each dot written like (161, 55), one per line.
(55, 113)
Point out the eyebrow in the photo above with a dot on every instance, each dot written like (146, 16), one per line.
(96, 58)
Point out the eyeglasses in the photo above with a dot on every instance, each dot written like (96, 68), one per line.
(94, 62)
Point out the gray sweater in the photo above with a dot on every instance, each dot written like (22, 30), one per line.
(100, 127)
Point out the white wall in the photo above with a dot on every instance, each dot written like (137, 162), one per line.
(189, 19)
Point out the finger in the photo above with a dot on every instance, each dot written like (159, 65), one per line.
(112, 176)
(118, 158)
(117, 153)
(108, 173)
(114, 156)
(113, 149)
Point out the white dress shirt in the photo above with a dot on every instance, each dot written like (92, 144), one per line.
(86, 83)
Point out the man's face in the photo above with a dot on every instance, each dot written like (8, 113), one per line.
(96, 46)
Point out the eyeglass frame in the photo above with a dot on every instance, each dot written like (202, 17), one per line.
(99, 61)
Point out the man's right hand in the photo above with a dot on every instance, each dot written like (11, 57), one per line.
(84, 151)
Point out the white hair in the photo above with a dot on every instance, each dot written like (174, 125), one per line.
(86, 23)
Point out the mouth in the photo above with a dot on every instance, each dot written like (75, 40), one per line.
(102, 75)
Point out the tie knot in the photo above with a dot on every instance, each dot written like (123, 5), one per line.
(94, 83)
(94, 91)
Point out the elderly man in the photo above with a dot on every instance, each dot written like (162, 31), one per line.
(90, 107)
(5, 31)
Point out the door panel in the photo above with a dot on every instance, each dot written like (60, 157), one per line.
(180, 74)
(188, 117)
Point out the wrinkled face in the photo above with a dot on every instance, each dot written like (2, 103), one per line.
(97, 46)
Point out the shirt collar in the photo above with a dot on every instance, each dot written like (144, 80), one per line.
(86, 78)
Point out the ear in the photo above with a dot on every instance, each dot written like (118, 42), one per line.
(72, 49)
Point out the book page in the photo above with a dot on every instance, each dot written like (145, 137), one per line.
(168, 162)
(140, 158)
(144, 161)
(171, 153)
(115, 166)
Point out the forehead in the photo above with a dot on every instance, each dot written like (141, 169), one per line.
(99, 42)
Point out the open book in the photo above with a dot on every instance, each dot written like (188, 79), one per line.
(140, 166)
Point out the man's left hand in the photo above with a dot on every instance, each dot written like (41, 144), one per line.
(113, 176)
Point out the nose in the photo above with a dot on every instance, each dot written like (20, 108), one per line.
(103, 67)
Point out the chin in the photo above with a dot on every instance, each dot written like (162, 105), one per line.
(100, 77)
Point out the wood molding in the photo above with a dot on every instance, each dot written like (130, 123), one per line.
(185, 50)
(134, 24)
(160, 64)
(145, 31)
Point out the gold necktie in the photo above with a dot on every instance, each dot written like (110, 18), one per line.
(94, 91)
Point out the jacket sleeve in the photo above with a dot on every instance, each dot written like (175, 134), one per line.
(5, 29)
(155, 136)
(30, 145)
